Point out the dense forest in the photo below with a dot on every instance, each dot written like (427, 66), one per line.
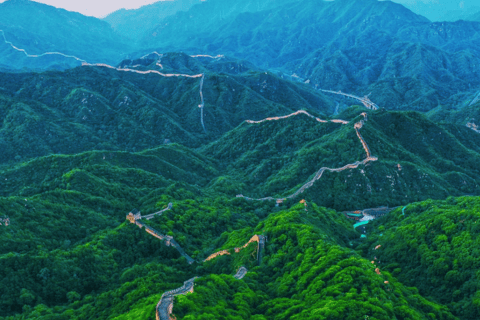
(199, 160)
(68, 249)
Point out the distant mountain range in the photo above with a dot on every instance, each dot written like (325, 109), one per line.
(133, 24)
(38, 28)
(442, 10)
(95, 107)
(362, 46)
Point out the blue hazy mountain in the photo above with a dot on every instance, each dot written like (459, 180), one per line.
(39, 28)
(353, 45)
(133, 23)
(442, 10)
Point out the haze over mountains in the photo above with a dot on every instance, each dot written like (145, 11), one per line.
(257, 133)
(442, 10)
(362, 46)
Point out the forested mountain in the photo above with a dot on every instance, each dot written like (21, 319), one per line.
(133, 23)
(276, 158)
(121, 272)
(432, 245)
(100, 108)
(38, 28)
(354, 45)
(361, 46)
(184, 160)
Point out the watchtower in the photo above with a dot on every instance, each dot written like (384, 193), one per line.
(134, 215)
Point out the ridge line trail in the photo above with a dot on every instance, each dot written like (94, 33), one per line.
(165, 305)
(39, 55)
(358, 125)
(87, 64)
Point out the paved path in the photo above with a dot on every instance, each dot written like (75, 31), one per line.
(152, 215)
(165, 305)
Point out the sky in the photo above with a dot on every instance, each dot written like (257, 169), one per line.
(96, 8)
(100, 8)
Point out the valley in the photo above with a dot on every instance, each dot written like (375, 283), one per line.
(288, 159)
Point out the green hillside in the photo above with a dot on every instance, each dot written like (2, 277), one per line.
(275, 158)
(433, 245)
(68, 250)
(308, 270)
(98, 108)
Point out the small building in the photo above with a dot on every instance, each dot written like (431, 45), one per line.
(134, 215)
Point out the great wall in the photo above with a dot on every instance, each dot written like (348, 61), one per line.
(470, 124)
(319, 173)
(86, 64)
(164, 307)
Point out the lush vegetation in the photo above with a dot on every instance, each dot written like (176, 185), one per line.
(417, 159)
(433, 245)
(308, 270)
(81, 148)
(95, 108)
(68, 251)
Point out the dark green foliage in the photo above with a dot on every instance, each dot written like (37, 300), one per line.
(96, 108)
(417, 159)
(67, 252)
(434, 247)
(306, 274)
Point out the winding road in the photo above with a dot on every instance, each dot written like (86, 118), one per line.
(165, 306)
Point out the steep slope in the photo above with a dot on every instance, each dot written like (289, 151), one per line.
(465, 114)
(411, 158)
(306, 275)
(103, 108)
(38, 28)
(365, 46)
(133, 23)
(434, 246)
(441, 10)
(103, 184)
(128, 265)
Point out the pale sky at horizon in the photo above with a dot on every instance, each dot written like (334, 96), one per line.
(96, 8)
(101, 8)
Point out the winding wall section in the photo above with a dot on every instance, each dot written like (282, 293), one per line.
(319, 173)
(86, 64)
